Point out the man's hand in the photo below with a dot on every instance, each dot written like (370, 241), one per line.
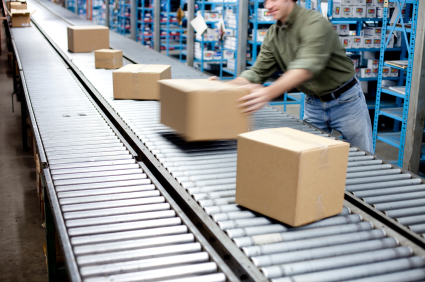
(258, 98)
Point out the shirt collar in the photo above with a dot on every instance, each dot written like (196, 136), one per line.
(291, 18)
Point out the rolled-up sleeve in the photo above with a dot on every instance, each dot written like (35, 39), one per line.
(264, 66)
(313, 52)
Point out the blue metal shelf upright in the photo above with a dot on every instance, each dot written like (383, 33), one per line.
(407, 25)
(171, 30)
(114, 10)
(124, 15)
(144, 23)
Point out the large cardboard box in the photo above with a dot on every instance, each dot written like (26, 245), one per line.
(84, 39)
(202, 110)
(139, 82)
(18, 5)
(108, 59)
(291, 176)
(20, 18)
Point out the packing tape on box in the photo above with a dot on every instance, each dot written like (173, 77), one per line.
(114, 60)
(323, 158)
(135, 76)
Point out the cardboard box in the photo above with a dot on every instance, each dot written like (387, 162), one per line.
(17, 5)
(264, 15)
(202, 109)
(336, 28)
(20, 18)
(359, 11)
(108, 59)
(289, 175)
(370, 12)
(376, 43)
(365, 73)
(375, 32)
(347, 2)
(375, 73)
(360, 2)
(378, 3)
(228, 54)
(394, 72)
(346, 42)
(84, 39)
(344, 29)
(368, 42)
(346, 11)
(386, 72)
(336, 11)
(372, 64)
(357, 42)
(139, 82)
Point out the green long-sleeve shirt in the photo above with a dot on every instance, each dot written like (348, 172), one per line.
(306, 41)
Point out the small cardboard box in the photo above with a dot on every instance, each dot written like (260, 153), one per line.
(365, 73)
(336, 11)
(376, 43)
(347, 42)
(20, 18)
(370, 12)
(202, 110)
(375, 32)
(372, 64)
(108, 59)
(357, 42)
(18, 5)
(347, 11)
(375, 73)
(359, 11)
(336, 28)
(291, 176)
(347, 2)
(139, 82)
(386, 72)
(344, 29)
(85, 39)
(394, 72)
(368, 42)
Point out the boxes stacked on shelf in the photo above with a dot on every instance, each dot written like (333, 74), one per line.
(264, 15)
(230, 42)
(358, 8)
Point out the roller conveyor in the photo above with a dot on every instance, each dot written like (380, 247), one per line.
(340, 248)
(114, 220)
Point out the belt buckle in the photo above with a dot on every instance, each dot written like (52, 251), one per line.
(320, 97)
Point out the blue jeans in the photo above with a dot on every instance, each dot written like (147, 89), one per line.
(348, 114)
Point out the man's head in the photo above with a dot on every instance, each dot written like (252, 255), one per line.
(280, 9)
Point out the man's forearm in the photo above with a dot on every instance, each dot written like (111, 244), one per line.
(240, 81)
(288, 81)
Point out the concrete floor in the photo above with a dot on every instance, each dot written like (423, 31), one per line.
(21, 236)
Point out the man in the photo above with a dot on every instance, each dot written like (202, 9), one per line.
(303, 44)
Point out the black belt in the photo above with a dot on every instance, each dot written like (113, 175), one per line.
(338, 92)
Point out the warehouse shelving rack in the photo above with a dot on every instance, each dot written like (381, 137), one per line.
(400, 113)
(114, 11)
(171, 30)
(201, 4)
(124, 16)
(144, 27)
(234, 6)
